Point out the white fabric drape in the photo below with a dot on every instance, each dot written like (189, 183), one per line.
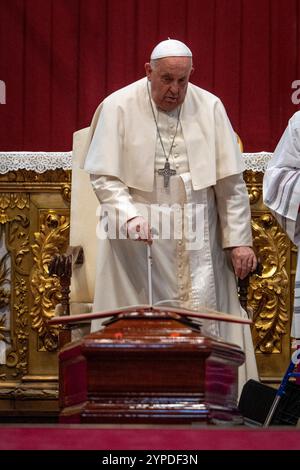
(281, 192)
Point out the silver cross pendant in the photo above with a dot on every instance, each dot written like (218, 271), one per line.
(166, 172)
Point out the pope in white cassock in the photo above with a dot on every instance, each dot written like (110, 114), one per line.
(165, 165)
(281, 192)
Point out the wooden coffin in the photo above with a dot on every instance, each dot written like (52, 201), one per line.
(149, 367)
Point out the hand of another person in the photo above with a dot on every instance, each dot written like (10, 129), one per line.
(244, 260)
(139, 229)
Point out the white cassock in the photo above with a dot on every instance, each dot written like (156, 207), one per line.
(192, 270)
(281, 190)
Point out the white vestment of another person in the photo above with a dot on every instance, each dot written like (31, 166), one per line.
(281, 189)
(206, 202)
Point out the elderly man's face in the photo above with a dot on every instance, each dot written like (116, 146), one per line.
(169, 80)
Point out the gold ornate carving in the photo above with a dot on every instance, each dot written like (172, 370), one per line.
(9, 202)
(268, 294)
(12, 360)
(254, 194)
(34, 394)
(26, 198)
(4, 296)
(22, 393)
(19, 200)
(14, 232)
(66, 193)
(4, 204)
(20, 360)
(51, 240)
(18, 239)
(254, 186)
(29, 176)
(13, 200)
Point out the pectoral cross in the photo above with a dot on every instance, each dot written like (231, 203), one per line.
(166, 172)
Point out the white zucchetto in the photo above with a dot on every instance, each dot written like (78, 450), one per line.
(170, 48)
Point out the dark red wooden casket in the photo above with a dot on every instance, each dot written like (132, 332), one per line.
(149, 367)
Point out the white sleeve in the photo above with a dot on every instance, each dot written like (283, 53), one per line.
(233, 211)
(281, 184)
(114, 196)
